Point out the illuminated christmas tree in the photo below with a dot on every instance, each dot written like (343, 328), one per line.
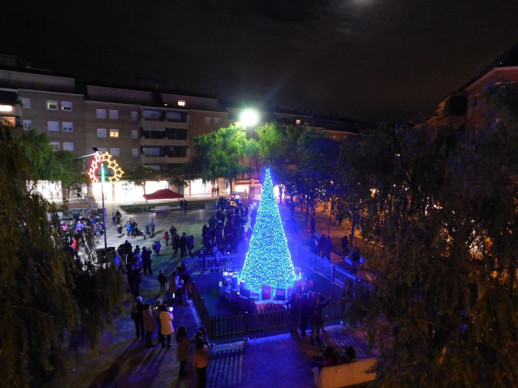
(268, 260)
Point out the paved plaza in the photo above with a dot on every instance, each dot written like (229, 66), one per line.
(120, 360)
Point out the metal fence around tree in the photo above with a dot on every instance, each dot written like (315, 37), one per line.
(270, 320)
(273, 320)
(230, 262)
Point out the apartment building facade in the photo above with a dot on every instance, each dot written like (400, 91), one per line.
(465, 108)
(137, 127)
(146, 127)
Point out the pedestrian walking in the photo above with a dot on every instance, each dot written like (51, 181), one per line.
(162, 279)
(166, 238)
(156, 247)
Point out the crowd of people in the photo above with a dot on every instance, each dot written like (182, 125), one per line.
(157, 317)
(225, 232)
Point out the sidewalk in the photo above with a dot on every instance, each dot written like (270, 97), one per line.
(121, 361)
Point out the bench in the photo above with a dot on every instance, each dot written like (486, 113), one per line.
(161, 209)
(345, 375)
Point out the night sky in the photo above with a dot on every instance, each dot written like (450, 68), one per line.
(371, 60)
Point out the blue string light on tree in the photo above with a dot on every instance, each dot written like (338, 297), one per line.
(268, 260)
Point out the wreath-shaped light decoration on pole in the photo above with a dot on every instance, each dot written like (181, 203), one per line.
(110, 163)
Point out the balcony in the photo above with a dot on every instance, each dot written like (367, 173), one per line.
(146, 142)
(163, 159)
(161, 124)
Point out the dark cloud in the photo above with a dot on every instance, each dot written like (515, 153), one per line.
(367, 59)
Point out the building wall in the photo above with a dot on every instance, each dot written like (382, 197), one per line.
(116, 133)
(476, 116)
(60, 116)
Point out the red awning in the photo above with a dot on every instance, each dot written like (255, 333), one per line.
(163, 194)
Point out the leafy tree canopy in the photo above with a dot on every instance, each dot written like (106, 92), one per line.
(221, 154)
(50, 299)
(442, 305)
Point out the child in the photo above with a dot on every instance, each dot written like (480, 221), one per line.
(162, 279)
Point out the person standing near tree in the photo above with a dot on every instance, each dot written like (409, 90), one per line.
(146, 261)
(138, 317)
(166, 324)
(201, 362)
(149, 323)
(183, 245)
(345, 245)
(175, 242)
(317, 319)
(294, 306)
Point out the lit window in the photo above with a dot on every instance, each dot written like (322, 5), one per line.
(115, 151)
(27, 124)
(68, 146)
(181, 102)
(134, 152)
(101, 132)
(66, 106)
(134, 115)
(113, 114)
(52, 105)
(55, 145)
(67, 126)
(100, 113)
(297, 121)
(114, 133)
(6, 108)
(134, 134)
(53, 126)
(26, 103)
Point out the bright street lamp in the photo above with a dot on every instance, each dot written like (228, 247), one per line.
(249, 117)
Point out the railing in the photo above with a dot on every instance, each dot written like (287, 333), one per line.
(335, 273)
(199, 304)
(214, 263)
(344, 277)
(271, 319)
(323, 266)
(275, 319)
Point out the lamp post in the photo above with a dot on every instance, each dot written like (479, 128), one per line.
(96, 150)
